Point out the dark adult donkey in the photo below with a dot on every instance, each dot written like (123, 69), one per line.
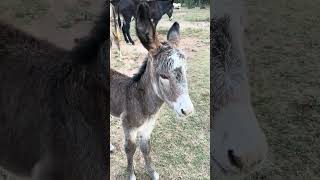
(162, 78)
(53, 105)
(128, 9)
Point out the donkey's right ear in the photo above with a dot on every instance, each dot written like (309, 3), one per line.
(173, 35)
(145, 29)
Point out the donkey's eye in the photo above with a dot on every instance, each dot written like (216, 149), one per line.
(163, 76)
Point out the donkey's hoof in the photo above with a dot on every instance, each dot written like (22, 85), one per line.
(132, 177)
(111, 148)
(155, 176)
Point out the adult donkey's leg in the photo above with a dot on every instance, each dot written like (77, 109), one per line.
(155, 22)
(128, 34)
(145, 147)
(124, 32)
(130, 148)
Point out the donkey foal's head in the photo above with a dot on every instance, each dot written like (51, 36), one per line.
(166, 63)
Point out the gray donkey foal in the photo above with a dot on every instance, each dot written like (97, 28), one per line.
(161, 78)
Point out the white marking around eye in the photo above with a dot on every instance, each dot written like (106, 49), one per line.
(177, 60)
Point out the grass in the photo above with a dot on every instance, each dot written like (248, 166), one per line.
(24, 10)
(75, 15)
(192, 15)
(283, 59)
(180, 149)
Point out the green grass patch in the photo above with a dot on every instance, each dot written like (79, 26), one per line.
(192, 15)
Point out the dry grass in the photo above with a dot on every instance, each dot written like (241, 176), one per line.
(180, 149)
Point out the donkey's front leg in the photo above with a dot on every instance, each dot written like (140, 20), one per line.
(145, 147)
(130, 148)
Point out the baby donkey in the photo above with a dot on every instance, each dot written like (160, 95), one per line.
(161, 78)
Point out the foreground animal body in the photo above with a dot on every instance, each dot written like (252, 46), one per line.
(128, 9)
(162, 78)
(53, 105)
(239, 145)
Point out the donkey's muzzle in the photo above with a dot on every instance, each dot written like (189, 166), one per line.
(183, 106)
(186, 112)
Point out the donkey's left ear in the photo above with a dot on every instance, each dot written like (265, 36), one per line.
(173, 35)
(145, 29)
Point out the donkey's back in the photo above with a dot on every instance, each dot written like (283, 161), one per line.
(118, 85)
(30, 87)
(25, 60)
(52, 106)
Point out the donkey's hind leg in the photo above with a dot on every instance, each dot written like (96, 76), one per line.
(130, 148)
(124, 32)
(145, 147)
(128, 34)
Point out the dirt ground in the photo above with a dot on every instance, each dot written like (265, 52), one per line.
(180, 150)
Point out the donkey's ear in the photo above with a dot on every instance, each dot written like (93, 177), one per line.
(173, 35)
(146, 31)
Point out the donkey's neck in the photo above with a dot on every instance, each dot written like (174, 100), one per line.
(145, 94)
(163, 7)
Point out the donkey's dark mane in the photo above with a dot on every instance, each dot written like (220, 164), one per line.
(227, 67)
(87, 49)
(136, 77)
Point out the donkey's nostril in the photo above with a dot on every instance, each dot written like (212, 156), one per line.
(234, 160)
(183, 112)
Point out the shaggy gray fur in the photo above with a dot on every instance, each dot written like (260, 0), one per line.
(227, 67)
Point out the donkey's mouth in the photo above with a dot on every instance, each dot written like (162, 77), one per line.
(228, 173)
(224, 170)
(181, 115)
